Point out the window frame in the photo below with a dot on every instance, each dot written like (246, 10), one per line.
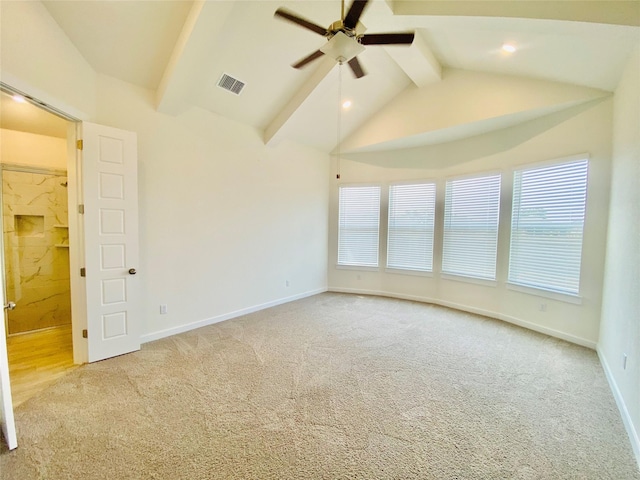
(355, 266)
(469, 278)
(433, 212)
(566, 296)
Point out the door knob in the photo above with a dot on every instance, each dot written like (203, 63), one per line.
(132, 271)
(10, 306)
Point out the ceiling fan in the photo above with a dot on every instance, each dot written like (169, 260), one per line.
(344, 42)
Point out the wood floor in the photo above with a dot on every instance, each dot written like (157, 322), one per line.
(37, 359)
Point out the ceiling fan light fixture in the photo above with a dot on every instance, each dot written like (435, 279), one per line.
(509, 48)
(342, 48)
(346, 104)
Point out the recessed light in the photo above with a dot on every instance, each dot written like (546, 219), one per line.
(509, 48)
(346, 104)
(19, 98)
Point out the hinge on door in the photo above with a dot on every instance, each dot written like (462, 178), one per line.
(85, 334)
(79, 144)
(83, 272)
(81, 208)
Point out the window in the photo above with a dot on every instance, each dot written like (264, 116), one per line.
(358, 226)
(411, 219)
(471, 211)
(546, 226)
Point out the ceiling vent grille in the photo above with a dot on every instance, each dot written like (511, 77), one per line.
(232, 84)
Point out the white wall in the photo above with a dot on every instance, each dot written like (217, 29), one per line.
(29, 149)
(225, 220)
(39, 59)
(582, 129)
(620, 324)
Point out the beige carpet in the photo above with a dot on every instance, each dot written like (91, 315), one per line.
(331, 387)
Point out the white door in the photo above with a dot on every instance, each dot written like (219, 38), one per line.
(6, 408)
(110, 194)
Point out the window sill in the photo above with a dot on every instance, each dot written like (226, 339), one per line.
(357, 267)
(402, 271)
(563, 297)
(462, 278)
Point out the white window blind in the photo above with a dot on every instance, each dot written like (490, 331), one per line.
(471, 211)
(358, 226)
(411, 220)
(547, 225)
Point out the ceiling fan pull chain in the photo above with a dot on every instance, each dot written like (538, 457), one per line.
(339, 118)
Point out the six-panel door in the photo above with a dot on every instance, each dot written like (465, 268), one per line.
(109, 175)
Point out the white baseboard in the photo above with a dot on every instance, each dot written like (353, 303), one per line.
(622, 407)
(150, 337)
(466, 308)
(525, 324)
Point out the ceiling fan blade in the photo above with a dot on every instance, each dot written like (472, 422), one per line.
(292, 17)
(353, 15)
(308, 59)
(387, 39)
(356, 68)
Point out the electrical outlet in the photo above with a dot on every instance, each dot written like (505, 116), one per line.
(543, 307)
(624, 361)
(163, 309)
(287, 283)
(359, 277)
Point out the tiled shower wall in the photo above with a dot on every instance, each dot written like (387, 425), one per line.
(36, 247)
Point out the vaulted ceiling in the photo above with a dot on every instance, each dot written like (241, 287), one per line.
(180, 49)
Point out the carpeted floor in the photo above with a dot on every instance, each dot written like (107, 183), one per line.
(331, 387)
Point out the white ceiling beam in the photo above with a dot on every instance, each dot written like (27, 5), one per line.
(278, 122)
(614, 12)
(417, 61)
(192, 50)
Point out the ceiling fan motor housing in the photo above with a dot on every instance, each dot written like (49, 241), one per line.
(338, 26)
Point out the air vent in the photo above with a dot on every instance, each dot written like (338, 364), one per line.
(232, 84)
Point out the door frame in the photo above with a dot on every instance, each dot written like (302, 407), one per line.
(7, 419)
(76, 245)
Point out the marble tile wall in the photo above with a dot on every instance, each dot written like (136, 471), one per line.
(36, 247)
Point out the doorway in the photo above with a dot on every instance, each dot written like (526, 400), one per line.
(103, 239)
(36, 246)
